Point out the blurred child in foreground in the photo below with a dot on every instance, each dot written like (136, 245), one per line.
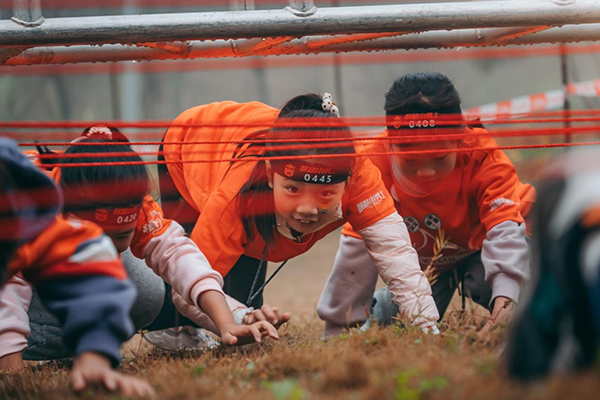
(75, 268)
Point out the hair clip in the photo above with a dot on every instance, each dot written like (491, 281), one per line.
(329, 105)
(100, 131)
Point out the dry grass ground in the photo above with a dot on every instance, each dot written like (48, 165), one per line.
(380, 364)
(387, 363)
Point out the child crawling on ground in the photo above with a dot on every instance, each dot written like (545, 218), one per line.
(74, 267)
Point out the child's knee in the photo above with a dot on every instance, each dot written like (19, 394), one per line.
(325, 312)
(45, 343)
(335, 314)
(150, 290)
(477, 288)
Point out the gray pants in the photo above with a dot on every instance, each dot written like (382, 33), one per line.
(469, 274)
(45, 342)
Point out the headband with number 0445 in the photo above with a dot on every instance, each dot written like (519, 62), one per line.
(310, 172)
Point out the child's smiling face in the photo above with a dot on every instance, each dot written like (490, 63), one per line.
(427, 170)
(305, 207)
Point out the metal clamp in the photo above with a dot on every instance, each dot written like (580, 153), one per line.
(299, 13)
(563, 2)
(29, 24)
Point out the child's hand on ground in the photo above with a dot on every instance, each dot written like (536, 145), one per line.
(214, 305)
(267, 313)
(12, 362)
(92, 368)
(243, 334)
(501, 314)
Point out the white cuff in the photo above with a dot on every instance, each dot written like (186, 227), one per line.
(239, 315)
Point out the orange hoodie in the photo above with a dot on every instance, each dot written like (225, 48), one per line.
(212, 188)
(482, 192)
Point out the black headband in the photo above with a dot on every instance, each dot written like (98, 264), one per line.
(400, 121)
(303, 171)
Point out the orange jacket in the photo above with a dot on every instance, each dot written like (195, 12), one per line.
(482, 192)
(56, 251)
(212, 188)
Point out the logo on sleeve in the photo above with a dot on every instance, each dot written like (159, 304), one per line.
(371, 201)
(154, 222)
(501, 202)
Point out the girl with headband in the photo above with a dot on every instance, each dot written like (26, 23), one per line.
(115, 197)
(278, 181)
(465, 210)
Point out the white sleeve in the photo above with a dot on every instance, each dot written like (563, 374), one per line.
(177, 259)
(389, 246)
(505, 258)
(15, 298)
(202, 319)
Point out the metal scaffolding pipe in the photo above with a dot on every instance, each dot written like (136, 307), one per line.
(474, 38)
(27, 12)
(287, 22)
(303, 6)
(306, 45)
(242, 4)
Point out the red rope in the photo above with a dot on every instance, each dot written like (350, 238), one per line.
(316, 156)
(377, 121)
(396, 139)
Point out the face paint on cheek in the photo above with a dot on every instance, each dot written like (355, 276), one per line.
(326, 208)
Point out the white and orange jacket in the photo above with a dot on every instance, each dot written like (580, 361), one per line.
(166, 250)
(481, 206)
(214, 131)
(72, 264)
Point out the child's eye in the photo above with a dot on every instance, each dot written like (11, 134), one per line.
(327, 193)
(292, 189)
(440, 158)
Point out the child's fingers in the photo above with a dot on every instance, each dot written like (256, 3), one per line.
(142, 388)
(282, 316)
(285, 317)
(485, 330)
(502, 316)
(77, 381)
(270, 330)
(229, 339)
(126, 387)
(270, 314)
(132, 387)
(145, 389)
(256, 333)
(259, 316)
(110, 380)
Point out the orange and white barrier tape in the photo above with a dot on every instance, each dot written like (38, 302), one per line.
(523, 105)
